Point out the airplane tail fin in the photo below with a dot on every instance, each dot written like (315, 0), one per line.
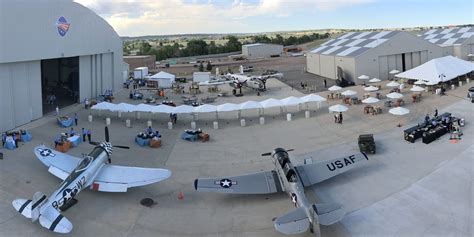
(294, 222)
(330, 213)
(51, 219)
(30, 208)
(39, 199)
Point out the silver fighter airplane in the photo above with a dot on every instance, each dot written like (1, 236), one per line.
(78, 174)
(291, 179)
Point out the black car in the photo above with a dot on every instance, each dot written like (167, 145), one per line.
(366, 143)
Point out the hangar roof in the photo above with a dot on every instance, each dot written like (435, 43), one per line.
(354, 43)
(450, 36)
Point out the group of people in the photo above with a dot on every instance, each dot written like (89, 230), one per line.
(51, 99)
(16, 137)
(149, 133)
(338, 118)
(86, 133)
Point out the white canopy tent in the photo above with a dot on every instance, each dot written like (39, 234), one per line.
(417, 89)
(312, 98)
(363, 77)
(250, 105)
(227, 107)
(439, 70)
(270, 103)
(288, 101)
(205, 108)
(164, 79)
(399, 111)
(183, 109)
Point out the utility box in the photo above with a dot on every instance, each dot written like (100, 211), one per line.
(201, 76)
(140, 72)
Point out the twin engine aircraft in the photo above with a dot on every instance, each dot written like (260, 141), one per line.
(94, 171)
(293, 180)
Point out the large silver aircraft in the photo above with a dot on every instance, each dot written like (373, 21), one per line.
(291, 179)
(78, 174)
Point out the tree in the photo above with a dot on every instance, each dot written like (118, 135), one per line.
(209, 66)
(201, 67)
(144, 48)
(197, 47)
(233, 44)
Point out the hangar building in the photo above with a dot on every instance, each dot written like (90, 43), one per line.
(458, 41)
(259, 50)
(53, 47)
(370, 53)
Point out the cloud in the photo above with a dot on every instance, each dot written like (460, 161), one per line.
(145, 17)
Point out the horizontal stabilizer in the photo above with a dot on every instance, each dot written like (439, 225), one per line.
(39, 199)
(23, 206)
(329, 214)
(51, 219)
(294, 222)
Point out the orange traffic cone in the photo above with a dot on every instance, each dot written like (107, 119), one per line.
(181, 195)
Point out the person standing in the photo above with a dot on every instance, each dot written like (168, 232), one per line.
(75, 118)
(14, 140)
(335, 118)
(4, 138)
(340, 117)
(57, 110)
(89, 134)
(84, 133)
(86, 103)
(436, 113)
(325, 83)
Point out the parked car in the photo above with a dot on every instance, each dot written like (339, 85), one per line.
(470, 94)
(367, 143)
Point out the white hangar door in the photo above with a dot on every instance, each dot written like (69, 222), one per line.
(384, 68)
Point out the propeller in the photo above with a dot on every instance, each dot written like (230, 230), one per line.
(270, 153)
(107, 139)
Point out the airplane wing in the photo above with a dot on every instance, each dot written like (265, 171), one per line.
(257, 183)
(114, 178)
(294, 222)
(59, 164)
(314, 173)
(211, 83)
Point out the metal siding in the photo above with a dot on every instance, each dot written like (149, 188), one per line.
(416, 59)
(6, 106)
(392, 62)
(408, 63)
(20, 94)
(398, 61)
(423, 56)
(383, 67)
(34, 90)
(85, 85)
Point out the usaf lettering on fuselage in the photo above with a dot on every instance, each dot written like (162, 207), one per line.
(339, 164)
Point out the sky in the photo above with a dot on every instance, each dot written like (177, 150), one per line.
(162, 17)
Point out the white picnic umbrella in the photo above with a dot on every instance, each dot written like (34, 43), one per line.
(399, 111)
(394, 95)
(269, 103)
(363, 77)
(338, 108)
(393, 84)
(348, 93)
(420, 82)
(370, 100)
(373, 80)
(394, 71)
(183, 109)
(334, 88)
(312, 98)
(417, 89)
(371, 88)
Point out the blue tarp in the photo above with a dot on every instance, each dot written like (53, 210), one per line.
(66, 122)
(189, 137)
(26, 137)
(10, 145)
(142, 142)
(75, 140)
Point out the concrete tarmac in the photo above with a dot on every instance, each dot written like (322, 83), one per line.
(403, 190)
